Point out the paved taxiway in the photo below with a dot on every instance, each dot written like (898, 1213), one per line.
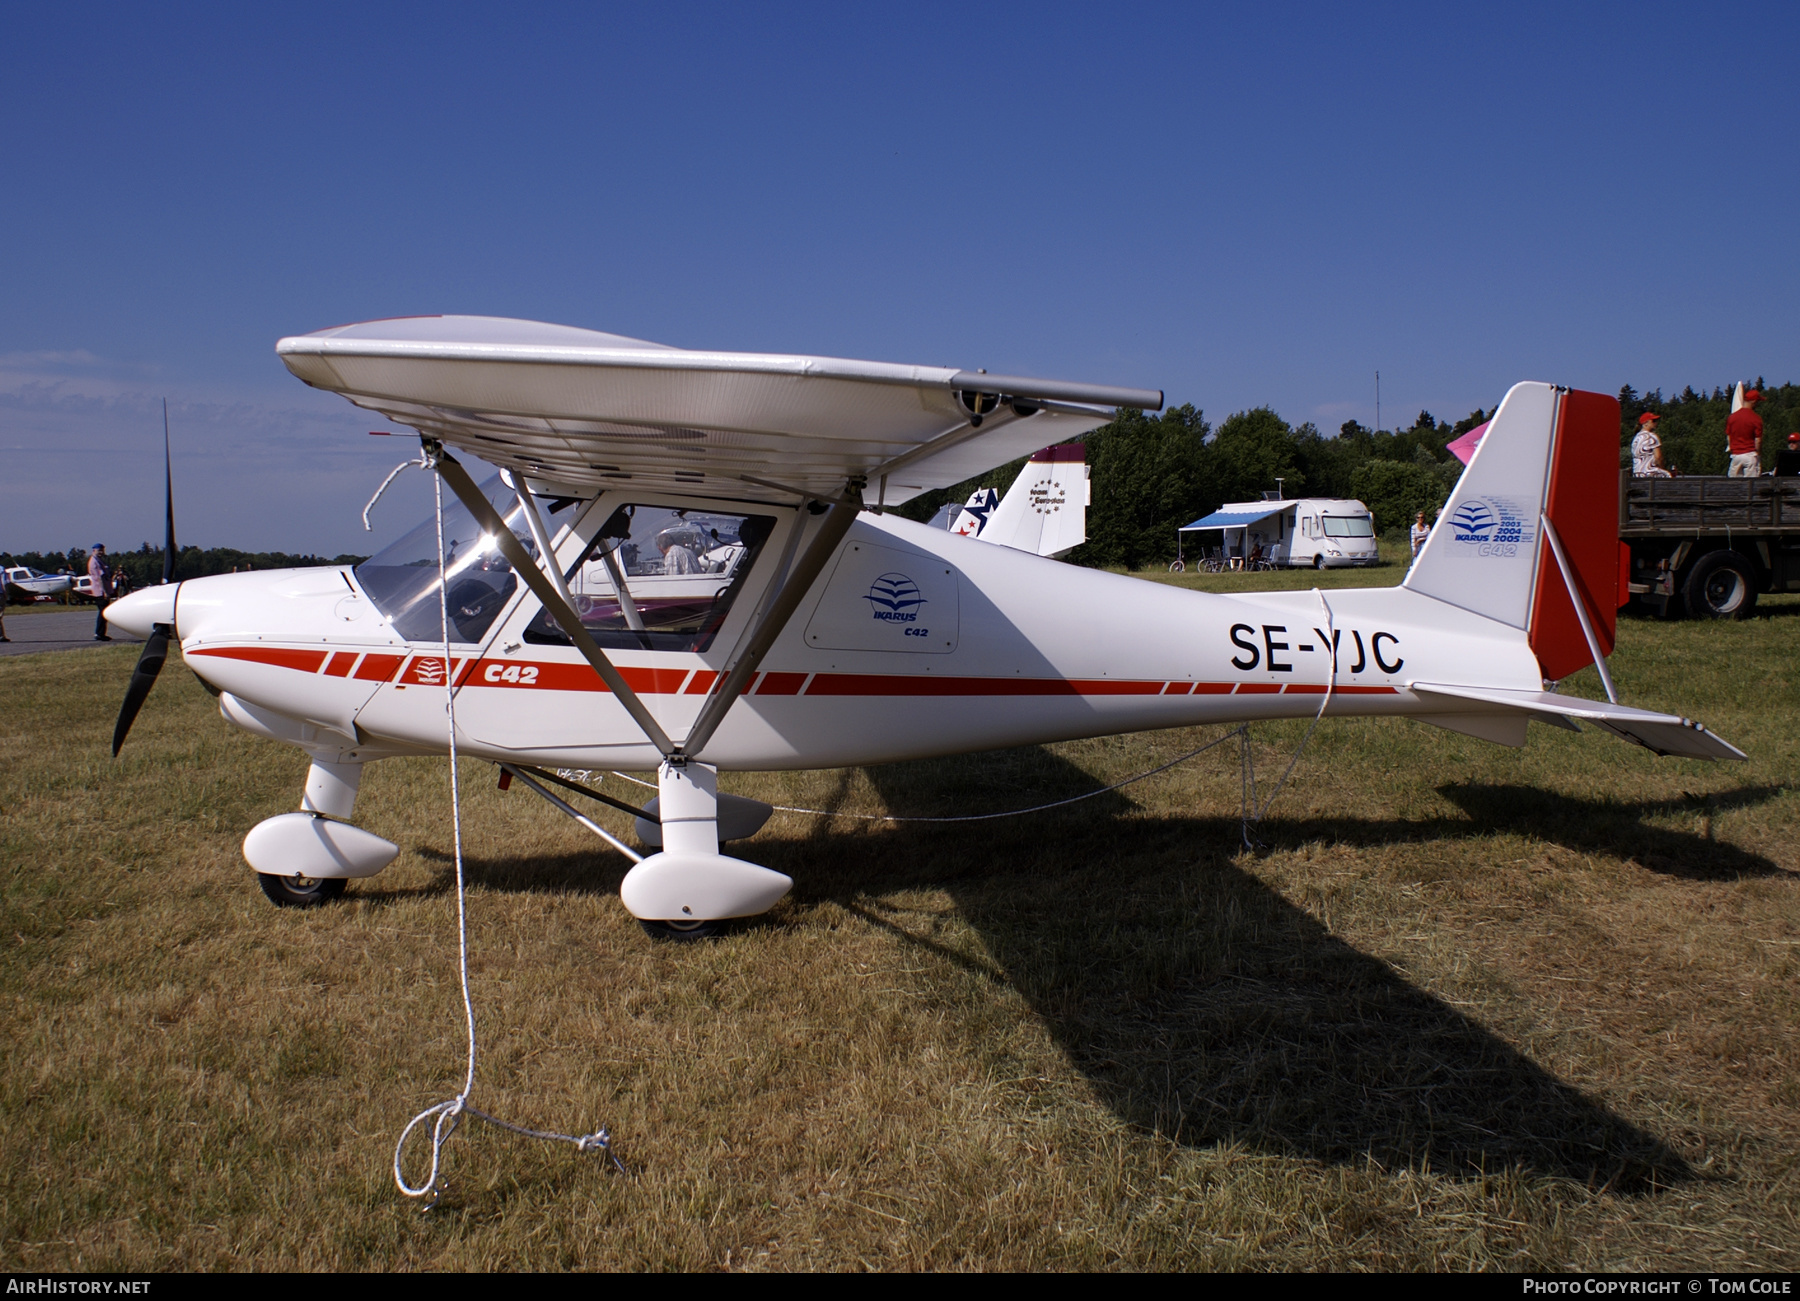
(53, 631)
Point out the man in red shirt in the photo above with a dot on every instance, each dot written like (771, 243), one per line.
(1743, 432)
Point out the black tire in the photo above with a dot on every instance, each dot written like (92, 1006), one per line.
(1720, 586)
(300, 891)
(682, 932)
(1318, 561)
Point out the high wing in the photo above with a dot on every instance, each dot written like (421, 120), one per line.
(586, 410)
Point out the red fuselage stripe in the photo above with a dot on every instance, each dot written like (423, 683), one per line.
(563, 676)
(306, 661)
(378, 668)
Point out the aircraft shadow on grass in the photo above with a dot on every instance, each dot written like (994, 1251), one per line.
(1201, 1003)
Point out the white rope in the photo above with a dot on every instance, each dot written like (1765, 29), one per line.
(393, 474)
(988, 817)
(447, 1115)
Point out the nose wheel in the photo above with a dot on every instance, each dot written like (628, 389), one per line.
(300, 891)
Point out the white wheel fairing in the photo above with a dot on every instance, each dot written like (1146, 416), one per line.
(700, 887)
(304, 844)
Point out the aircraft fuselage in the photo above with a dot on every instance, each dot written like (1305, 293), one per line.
(989, 648)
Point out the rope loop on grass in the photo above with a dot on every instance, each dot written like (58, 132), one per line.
(446, 1116)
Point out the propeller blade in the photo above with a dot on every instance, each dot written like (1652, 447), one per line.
(168, 511)
(143, 677)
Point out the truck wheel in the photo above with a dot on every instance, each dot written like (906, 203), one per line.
(1721, 586)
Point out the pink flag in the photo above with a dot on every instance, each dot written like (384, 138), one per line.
(1463, 449)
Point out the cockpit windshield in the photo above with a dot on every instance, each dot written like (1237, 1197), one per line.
(402, 580)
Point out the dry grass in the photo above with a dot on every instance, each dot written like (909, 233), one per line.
(1469, 1008)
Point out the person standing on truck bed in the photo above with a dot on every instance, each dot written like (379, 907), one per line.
(1743, 434)
(1787, 463)
(1646, 449)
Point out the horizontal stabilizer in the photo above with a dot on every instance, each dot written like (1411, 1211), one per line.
(1665, 734)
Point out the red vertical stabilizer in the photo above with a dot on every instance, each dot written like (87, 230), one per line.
(1582, 503)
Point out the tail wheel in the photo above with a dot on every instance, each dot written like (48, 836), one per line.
(300, 891)
(1721, 586)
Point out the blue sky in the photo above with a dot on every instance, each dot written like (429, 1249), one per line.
(1237, 204)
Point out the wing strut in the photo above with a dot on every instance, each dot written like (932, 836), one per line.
(526, 568)
(730, 684)
(539, 534)
(1578, 599)
(725, 692)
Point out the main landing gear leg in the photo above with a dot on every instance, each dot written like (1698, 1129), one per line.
(684, 891)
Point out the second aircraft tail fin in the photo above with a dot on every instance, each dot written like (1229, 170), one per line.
(1045, 510)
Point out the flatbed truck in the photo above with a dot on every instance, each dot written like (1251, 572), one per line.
(1706, 545)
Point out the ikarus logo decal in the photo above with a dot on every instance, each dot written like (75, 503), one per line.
(1492, 526)
(884, 599)
(894, 598)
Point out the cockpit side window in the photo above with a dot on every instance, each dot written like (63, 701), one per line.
(659, 578)
(402, 580)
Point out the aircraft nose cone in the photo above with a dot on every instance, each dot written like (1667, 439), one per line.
(138, 612)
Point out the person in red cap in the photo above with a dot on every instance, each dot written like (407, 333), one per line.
(1743, 435)
(1646, 449)
(1787, 463)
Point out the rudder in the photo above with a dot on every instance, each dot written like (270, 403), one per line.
(1582, 504)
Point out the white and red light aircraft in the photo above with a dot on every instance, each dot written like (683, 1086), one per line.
(684, 565)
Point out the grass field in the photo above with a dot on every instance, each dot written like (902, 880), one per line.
(1467, 1008)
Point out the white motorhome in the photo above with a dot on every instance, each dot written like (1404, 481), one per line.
(1315, 532)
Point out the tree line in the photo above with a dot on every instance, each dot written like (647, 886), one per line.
(143, 567)
(1152, 474)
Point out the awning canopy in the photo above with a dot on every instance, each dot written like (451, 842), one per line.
(1237, 515)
